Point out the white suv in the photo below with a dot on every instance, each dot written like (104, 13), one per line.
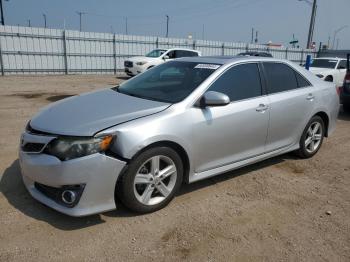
(138, 64)
(330, 69)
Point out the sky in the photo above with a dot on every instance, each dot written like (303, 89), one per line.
(221, 20)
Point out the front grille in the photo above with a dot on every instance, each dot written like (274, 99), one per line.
(33, 147)
(128, 64)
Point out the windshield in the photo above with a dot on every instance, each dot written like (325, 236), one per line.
(170, 82)
(156, 53)
(324, 63)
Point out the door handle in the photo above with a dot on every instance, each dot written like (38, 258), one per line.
(262, 108)
(310, 97)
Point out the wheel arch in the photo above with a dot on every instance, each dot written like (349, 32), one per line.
(180, 150)
(329, 76)
(325, 119)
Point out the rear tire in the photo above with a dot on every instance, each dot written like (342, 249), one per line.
(312, 138)
(151, 180)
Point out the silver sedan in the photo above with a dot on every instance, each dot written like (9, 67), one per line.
(179, 122)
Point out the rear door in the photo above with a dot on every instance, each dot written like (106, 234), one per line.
(291, 99)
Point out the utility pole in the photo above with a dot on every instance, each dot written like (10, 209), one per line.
(29, 23)
(329, 42)
(203, 32)
(252, 40)
(80, 17)
(256, 37)
(2, 13)
(167, 26)
(126, 25)
(44, 15)
(312, 24)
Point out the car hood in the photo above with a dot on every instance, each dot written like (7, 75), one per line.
(322, 71)
(86, 114)
(143, 59)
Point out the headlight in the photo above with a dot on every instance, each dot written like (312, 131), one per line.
(141, 63)
(66, 148)
(320, 76)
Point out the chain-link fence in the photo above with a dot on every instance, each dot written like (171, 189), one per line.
(29, 50)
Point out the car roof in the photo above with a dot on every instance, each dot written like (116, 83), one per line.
(226, 59)
(184, 49)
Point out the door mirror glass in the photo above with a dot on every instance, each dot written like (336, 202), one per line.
(212, 98)
(166, 57)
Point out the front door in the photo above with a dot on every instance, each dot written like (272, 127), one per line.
(226, 134)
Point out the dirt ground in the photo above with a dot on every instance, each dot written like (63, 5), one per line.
(283, 209)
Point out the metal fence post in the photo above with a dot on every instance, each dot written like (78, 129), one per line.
(286, 55)
(114, 56)
(157, 43)
(247, 47)
(65, 53)
(194, 44)
(1, 61)
(301, 56)
(223, 49)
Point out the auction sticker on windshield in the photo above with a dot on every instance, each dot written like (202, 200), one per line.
(207, 66)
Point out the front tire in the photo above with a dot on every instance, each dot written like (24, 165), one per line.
(151, 180)
(312, 138)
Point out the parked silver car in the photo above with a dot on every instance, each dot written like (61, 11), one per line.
(182, 121)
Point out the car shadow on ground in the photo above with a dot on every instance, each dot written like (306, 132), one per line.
(123, 77)
(12, 187)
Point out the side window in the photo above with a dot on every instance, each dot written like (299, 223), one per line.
(280, 78)
(342, 64)
(171, 54)
(239, 82)
(302, 82)
(192, 53)
(180, 53)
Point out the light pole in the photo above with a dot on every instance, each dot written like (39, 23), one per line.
(44, 15)
(312, 21)
(167, 26)
(126, 25)
(336, 32)
(2, 12)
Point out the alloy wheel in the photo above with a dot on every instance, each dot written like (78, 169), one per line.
(155, 180)
(313, 137)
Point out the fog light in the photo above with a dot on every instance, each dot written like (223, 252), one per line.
(69, 197)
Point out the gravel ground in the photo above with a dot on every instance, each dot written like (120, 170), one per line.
(282, 209)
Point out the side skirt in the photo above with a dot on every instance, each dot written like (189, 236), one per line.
(223, 169)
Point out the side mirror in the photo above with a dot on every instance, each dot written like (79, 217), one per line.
(212, 98)
(166, 57)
